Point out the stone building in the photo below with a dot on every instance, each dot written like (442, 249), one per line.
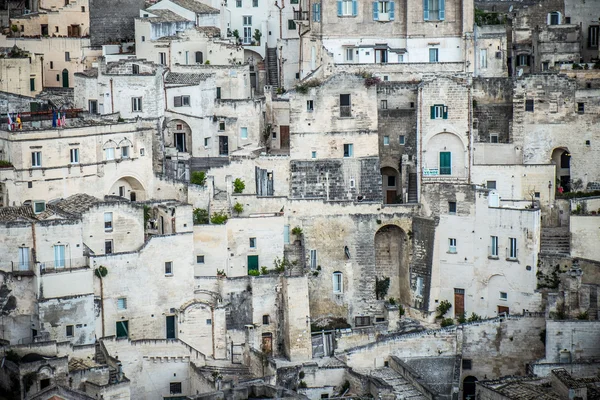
(21, 72)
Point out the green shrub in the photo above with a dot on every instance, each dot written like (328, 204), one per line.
(462, 318)
(281, 265)
(238, 185)
(220, 272)
(443, 308)
(401, 310)
(200, 216)
(583, 316)
(5, 164)
(198, 178)
(101, 271)
(392, 301)
(219, 218)
(297, 231)
(264, 270)
(381, 287)
(447, 322)
(304, 86)
(474, 317)
(253, 272)
(303, 385)
(238, 208)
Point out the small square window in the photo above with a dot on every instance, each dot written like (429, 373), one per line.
(135, 69)
(252, 243)
(142, 152)
(383, 104)
(238, 3)
(265, 319)
(386, 140)
(503, 296)
(70, 330)
(143, 38)
(310, 106)
(451, 245)
(291, 25)
(402, 139)
(221, 126)
(529, 105)
(466, 364)
(348, 150)
(122, 303)
(169, 268)
(314, 154)
(580, 108)
(67, 56)
(108, 222)
(108, 247)
(209, 322)
(452, 207)
(493, 138)
(39, 206)
(199, 259)
(206, 142)
(391, 181)
(175, 387)
(537, 195)
(491, 185)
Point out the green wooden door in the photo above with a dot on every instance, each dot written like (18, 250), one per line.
(445, 163)
(65, 78)
(252, 263)
(122, 329)
(171, 327)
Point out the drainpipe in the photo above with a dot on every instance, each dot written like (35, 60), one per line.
(42, 69)
(301, 35)
(112, 98)
(470, 132)
(102, 304)
(280, 17)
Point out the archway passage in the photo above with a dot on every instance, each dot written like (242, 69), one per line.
(391, 260)
(561, 158)
(179, 136)
(129, 188)
(392, 192)
(469, 388)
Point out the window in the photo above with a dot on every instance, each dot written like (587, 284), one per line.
(494, 246)
(122, 191)
(451, 245)
(439, 111)
(493, 138)
(347, 8)
(483, 58)
(313, 154)
(537, 194)
(36, 159)
(206, 142)
(338, 282)
(452, 207)
(523, 60)
(82, 8)
(136, 104)
(348, 150)
(402, 139)
(316, 9)
(386, 140)
(274, 135)
(181, 101)
(122, 303)
(23, 258)
(383, 10)
(109, 153)
(59, 256)
(491, 184)
(349, 54)
(169, 268)
(143, 38)
(74, 156)
(391, 181)
(310, 105)
(108, 247)
(218, 93)
(67, 56)
(593, 36)
(286, 234)
(108, 221)
(57, 77)
(32, 84)
(420, 285)
(199, 57)
(503, 296)
(383, 104)
(122, 329)
(247, 20)
(567, 20)
(221, 126)
(554, 18)
(51, 64)
(39, 206)
(362, 321)
(254, 3)
(209, 321)
(162, 60)
(313, 259)
(291, 25)
(445, 163)
(345, 106)
(199, 259)
(44, 383)
(252, 242)
(565, 160)
(580, 108)
(529, 105)
(433, 55)
(244, 133)
(238, 3)
(124, 151)
(70, 329)
(466, 364)
(93, 106)
(545, 66)
(266, 320)
(512, 253)
(434, 10)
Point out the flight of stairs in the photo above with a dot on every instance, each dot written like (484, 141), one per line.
(555, 241)
(101, 359)
(412, 187)
(232, 373)
(272, 69)
(402, 388)
(220, 204)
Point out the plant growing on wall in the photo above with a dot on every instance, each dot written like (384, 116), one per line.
(257, 35)
(253, 272)
(264, 270)
(392, 301)
(462, 318)
(5, 164)
(447, 322)
(381, 287)
(198, 178)
(238, 185)
(236, 34)
(221, 273)
(101, 271)
(218, 218)
(304, 86)
(200, 216)
(474, 318)
(401, 310)
(297, 231)
(238, 208)
(443, 308)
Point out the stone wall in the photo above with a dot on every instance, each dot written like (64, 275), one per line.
(113, 20)
(580, 338)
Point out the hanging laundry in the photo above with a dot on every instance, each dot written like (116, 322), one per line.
(9, 121)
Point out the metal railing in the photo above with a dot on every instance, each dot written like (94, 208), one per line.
(301, 15)
(63, 265)
(19, 267)
(345, 111)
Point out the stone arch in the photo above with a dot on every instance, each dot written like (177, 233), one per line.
(392, 260)
(392, 187)
(437, 148)
(561, 158)
(498, 283)
(469, 387)
(128, 187)
(179, 136)
(196, 322)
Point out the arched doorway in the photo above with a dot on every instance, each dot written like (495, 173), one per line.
(179, 136)
(128, 187)
(561, 158)
(469, 388)
(392, 189)
(65, 78)
(391, 261)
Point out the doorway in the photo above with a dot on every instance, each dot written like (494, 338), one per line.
(562, 159)
(252, 263)
(459, 302)
(267, 343)
(469, 388)
(223, 146)
(284, 137)
(180, 141)
(65, 78)
(170, 327)
(503, 310)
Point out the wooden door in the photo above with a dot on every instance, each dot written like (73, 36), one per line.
(390, 197)
(284, 136)
(503, 309)
(267, 343)
(223, 145)
(459, 302)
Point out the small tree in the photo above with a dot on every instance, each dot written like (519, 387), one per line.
(218, 218)
(200, 216)
(198, 178)
(443, 308)
(14, 29)
(257, 36)
(238, 185)
(238, 208)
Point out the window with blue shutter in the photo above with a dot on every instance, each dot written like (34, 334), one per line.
(354, 8)
(375, 11)
(317, 12)
(442, 12)
(426, 10)
(339, 8)
(392, 10)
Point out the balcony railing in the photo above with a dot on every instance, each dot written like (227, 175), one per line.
(301, 15)
(345, 111)
(23, 268)
(66, 265)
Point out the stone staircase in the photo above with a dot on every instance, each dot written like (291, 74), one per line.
(220, 204)
(412, 187)
(100, 358)
(272, 68)
(402, 388)
(555, 241)
(229, 373)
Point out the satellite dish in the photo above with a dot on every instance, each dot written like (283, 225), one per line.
(520, 73)
(510, 8)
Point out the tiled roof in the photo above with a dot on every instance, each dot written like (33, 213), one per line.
(209, 31)
(23, 213)
(196, 6)
(74, 205)
(178, 78)
(165, 16)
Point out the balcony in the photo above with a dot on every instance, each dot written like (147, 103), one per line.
(19, 268)
(66, 265)
(300, 15)
(345, 111)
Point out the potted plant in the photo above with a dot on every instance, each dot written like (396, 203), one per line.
(257, 36)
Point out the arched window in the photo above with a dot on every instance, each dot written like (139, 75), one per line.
(109, 150)
(199, 57)
(338, 282)
(554, 18)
